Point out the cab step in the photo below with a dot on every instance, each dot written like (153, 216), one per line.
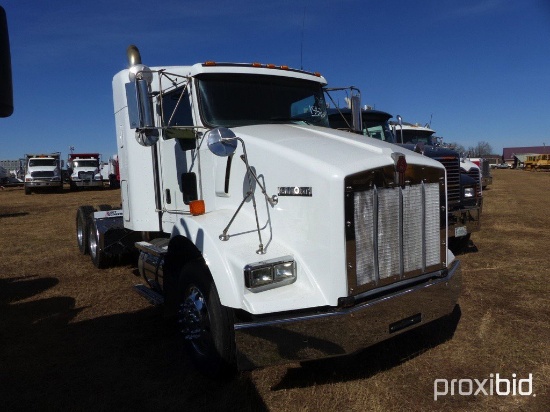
(153, 297)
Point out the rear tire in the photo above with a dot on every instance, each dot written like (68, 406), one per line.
(83, 215)
(97, 253)
(206, 325)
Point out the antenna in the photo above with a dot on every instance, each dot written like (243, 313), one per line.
(302, 40)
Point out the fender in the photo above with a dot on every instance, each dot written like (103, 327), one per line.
(190, 240)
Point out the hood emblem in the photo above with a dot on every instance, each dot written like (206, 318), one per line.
(400, 164)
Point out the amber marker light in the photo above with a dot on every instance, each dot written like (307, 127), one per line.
(196, 207)
(210, 63)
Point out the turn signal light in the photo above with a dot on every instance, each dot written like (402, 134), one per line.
(196, 207)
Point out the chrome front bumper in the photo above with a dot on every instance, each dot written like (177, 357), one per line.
(44, 183)
(88, 183)
(340, 331)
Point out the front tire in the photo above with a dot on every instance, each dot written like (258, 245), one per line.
(206, 325)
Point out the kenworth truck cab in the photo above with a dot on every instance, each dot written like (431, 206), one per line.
(266, 235)
(43, 171)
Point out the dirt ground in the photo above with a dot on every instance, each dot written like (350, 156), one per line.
(76, 338)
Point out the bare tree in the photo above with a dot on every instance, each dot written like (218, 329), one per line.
(480, 150)
(456, 146)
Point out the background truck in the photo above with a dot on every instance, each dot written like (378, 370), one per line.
(464, 187)
(43, 171)
(267, 236)
(464, 199)
(111, 172)
(485, 168)
(83, 170)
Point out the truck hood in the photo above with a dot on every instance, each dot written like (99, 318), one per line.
(432, 151)
(42, 168)
(329, 151)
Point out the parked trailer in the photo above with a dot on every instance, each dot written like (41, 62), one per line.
(269, 237)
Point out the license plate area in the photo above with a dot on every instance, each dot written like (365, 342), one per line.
(461, 231)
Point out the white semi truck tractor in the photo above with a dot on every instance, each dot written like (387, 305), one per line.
(267, 236)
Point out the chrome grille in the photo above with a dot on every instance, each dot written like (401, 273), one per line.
(86, 175)
(396, 231)
(42, 173)
(393, 233)
(452, 166)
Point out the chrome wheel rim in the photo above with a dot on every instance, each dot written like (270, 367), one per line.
(80, 233)
(92, 241)
(195, 320)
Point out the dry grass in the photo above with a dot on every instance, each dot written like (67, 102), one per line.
(75, 338)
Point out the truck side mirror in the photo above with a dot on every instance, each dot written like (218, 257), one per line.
(357, 117)
(6, 87)
(222, 141)
(140, 105)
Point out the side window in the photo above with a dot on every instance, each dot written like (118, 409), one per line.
(177, 109)
(177, 112)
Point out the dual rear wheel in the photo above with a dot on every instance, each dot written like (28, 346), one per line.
(87, 237)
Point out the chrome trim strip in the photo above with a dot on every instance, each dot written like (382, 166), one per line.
(375, 213)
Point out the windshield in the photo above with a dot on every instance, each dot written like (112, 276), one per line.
(230, 100)
(414, 136)
(375, 124)
(85, 163)
(42, 162)
(380, 132)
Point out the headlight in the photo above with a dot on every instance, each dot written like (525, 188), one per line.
(469, 192)
(270, 274)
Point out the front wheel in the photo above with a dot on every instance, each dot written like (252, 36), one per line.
(206, 325)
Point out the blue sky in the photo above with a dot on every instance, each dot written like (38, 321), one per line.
(479, 69)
